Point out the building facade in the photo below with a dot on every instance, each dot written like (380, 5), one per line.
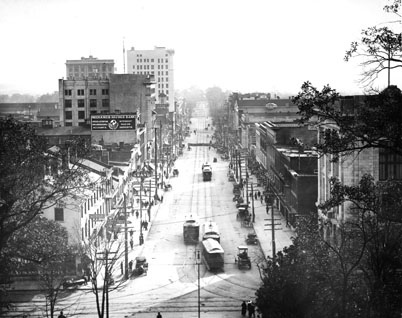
(89, 68)
(157, 62)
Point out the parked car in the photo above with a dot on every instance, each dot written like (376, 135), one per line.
(74, 281)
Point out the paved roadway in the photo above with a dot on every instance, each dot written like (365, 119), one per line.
(171, 284)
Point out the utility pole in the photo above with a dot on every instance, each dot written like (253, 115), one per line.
(141, 239)
(252, 201)
(125, 238)
(199, 298)
(272, 224)
(149, 206)
(161, 150)
(156, 165)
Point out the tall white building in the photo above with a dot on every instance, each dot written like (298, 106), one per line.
(157, 62)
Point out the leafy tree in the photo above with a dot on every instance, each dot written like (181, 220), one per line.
(315, 277)
(43, 246)
(375, 207)
(33, 177)
(375, 122)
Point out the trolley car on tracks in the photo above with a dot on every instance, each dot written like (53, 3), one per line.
(211, 230)
(212, 255)
(191, 230)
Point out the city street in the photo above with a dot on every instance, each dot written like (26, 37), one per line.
(171, 284)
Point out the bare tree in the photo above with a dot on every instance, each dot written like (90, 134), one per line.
(104, 252)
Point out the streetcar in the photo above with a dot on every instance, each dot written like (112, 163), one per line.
(212, 255)
(211, 230)
(191, 230)
(206, 172)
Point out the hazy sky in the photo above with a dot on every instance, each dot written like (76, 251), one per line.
(246, 46)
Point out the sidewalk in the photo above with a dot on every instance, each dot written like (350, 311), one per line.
(262, 225)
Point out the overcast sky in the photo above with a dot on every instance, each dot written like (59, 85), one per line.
(245, 46)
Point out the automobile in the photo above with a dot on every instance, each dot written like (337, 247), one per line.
(74, 281)
(242, 259)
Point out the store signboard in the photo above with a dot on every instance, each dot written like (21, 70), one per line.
(113, 122)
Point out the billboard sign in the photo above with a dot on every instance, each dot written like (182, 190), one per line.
(113, 122)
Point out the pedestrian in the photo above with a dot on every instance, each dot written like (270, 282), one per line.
(162, 198)
(262, 198)
(159, 315)
(259, 193)
(251, 309)
(121, 268)
(255, 195)
(243, 308)
(130, 265)
(61, 315)
(146, 225)
(137, 214)
(131, 243)
(141, 239)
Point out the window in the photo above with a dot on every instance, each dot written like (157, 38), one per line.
(59, 214)
(80, 92)
(105, 91)
(152, 67)
(81, 102)
(92, 91)
(68, 124)
(92, 103)
(82, 124)
(81, 114)
(68, 115)
(93, 112)
(167, 79)
(167, 73)
(67, 92)
(167, 85)
(166, 60)
(105, 103)
(152, 60)
(390, 165)
(68, 103)
(133, 67)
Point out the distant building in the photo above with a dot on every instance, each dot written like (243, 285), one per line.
(39, 114)
(157, 62)
(89, 68)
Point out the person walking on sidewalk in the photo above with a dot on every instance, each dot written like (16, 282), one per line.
(243, 308)
(159, 315)
(131, 243)
(251, 309)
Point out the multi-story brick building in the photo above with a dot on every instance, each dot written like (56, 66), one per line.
(89, 68)
(290, 164)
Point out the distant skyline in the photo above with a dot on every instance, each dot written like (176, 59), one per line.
(246, 46)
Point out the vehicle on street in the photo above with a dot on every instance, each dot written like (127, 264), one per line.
(74, 281)
(212, 255)
(210, 230)
(243, 260)
(206, 172)
(191, 230)
(251, 239)
(242, 213)
(141, 266)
